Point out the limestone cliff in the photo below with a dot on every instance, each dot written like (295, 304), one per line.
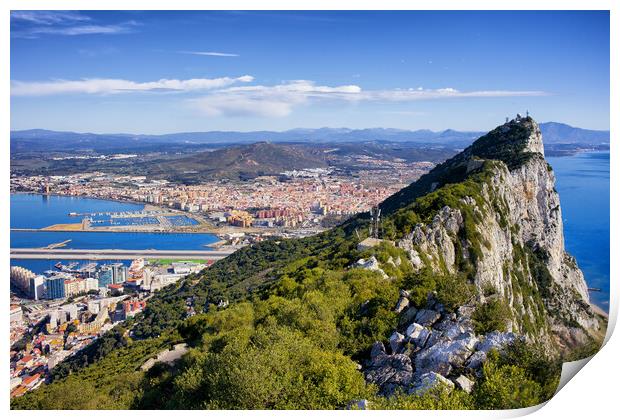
(507, 223)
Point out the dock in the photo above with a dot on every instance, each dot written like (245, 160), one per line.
(58, 244)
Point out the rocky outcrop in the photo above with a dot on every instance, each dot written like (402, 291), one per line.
(371, 264)
(422, 357)
(510, 229)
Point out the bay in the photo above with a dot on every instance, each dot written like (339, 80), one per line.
(37, 211)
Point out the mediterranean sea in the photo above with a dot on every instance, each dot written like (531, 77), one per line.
(582, 181)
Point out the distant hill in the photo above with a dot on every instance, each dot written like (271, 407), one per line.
(554, 132)
(32, 140)
(246, 161)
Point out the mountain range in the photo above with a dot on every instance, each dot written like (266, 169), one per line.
(38, 139)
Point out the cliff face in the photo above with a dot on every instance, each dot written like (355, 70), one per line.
(513, 234)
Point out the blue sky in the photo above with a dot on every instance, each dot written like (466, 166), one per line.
(162, 72)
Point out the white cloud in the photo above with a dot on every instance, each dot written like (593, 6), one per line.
(108, 86)
(280, 100)
(227, 96)
(32, 24)
(209, 53)
(45, 17)
(269, 101)
(121, 28)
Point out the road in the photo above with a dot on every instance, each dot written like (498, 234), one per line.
(115, 254)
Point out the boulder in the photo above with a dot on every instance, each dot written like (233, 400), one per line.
(397, 342)
(476, 360)
(377, 349)
(408, 316)
(453, 331)
(464, 383)
(358, 405)
(371, 264)
(417, 334)
(429, 381)
(427, 317)
(402, 304)
(495, 340)
(433, 338)
(390, 372)
(454, 353)
(415, 259)
(439, 307)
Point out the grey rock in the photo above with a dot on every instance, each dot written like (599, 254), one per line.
(397, 342)
(390, 372)
(454, 353)
(358, 405)
(427, 317)
(439, 307)
(417, 334)
(377, 349)
(464, 383)
(408, 316)
(495, 340)
(433, 338)
(476, 360)
(371, 264)
(402, 304)
(430, 381)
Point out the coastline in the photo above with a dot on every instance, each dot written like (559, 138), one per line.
(598, 310)
(204, 228)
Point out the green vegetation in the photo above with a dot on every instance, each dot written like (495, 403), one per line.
(436, 399)
(493, 315)
(111, 383)
(521, 376)
(453, 290)
(506, 145)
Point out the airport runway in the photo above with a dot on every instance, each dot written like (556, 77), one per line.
(115, 254)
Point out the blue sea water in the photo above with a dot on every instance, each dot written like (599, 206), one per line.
(112, 240)
(582, 181)
(37, 211)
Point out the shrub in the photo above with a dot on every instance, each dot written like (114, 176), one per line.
(491, 316)
(436, 399)
(454, 290)
(506, 387)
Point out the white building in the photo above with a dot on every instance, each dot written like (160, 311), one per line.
(71, 311)
(91, 284)
(37, 287)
